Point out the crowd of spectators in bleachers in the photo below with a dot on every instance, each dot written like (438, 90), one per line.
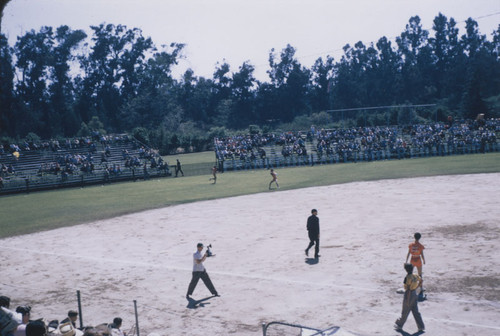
(80, 157)
(394, 141)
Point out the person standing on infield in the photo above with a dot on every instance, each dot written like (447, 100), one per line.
(410, 300)
(199, 271)
(416, 250)
(274, 175)
(313, 232)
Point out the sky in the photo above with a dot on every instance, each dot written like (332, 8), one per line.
(235, 31)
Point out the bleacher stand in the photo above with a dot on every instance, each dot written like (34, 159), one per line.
(76, 162)
(320, 146)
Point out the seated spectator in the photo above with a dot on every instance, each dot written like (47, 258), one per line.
(107, 150)
(25, 313)
(36, 328)
(116, 327)
(5, 301)
(9, 320)
(103, 157)
(67, 329)
(72, 317)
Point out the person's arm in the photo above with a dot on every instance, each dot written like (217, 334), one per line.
(199, 261)
(423, 259)
(407, 256)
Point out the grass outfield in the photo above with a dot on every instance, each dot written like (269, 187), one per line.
(27, 213)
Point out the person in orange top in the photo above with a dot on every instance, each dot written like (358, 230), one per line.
(416, 250)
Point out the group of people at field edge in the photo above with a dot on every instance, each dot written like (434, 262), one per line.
(19, 322)
(369, 143)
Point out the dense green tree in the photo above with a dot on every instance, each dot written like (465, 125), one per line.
(8, 125)
(243, 97)
(123, 80)
(412, 48)
(34, 58)
(62, 119)
(3, 3)
(155, 100)
(291, 81)
(112, 70)
(321, 84)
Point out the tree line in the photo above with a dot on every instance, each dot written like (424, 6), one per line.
(60, 82)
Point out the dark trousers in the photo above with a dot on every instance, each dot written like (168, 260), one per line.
(206, 280)
(314, 240)
(410, 304)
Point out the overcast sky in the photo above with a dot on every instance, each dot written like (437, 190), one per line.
(239, 30)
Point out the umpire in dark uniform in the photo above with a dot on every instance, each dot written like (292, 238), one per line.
(313, 231)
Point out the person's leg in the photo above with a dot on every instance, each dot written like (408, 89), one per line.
(193, 283)
(417, 316)
(311, 243)
(208, 283)
(316, 249)
(405, 311)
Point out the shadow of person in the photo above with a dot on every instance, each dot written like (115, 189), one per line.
(404, 333)
(194, 304)
(312, 261)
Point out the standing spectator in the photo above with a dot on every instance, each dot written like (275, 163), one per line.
(199, 271)
(178, 168)
(313, 233)
(410, 301)
(274, 176)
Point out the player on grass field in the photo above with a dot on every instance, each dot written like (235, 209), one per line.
(274, 175)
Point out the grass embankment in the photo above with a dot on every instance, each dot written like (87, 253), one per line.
(27, 213)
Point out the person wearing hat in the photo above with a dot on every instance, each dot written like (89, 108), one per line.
(313, 232)
(199, 271)
(72, 317)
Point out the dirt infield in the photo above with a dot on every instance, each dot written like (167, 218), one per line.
(260, 268)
